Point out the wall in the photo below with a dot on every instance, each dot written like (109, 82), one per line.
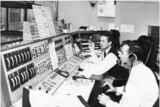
(140, 14)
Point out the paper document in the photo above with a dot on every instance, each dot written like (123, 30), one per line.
(53, 55)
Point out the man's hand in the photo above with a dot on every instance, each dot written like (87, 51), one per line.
(111, 88)
(103, 99)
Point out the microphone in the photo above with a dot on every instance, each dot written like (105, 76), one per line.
(76, 77)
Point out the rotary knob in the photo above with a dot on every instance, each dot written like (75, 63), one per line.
(39, 88)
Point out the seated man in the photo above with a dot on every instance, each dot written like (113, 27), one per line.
(141, 89)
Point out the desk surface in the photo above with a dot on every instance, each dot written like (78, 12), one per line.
(71, 88)
(77, 87)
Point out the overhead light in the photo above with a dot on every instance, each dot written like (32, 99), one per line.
(93, 3)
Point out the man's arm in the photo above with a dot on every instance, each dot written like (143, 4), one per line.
(96, 77)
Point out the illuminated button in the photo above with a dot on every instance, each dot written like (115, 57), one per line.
(22, 57)
(8, 63)
(16, 81)
(12, 60)
(19, 59)
(32, 71)
(12, 80)
(27, 74)
(29, 57)
(29, 71)
(26, 57)
(22, 77)
(15, 56)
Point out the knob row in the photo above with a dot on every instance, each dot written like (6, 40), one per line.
(17, 58)
(22, 76)
(40, 50)
(44, 66)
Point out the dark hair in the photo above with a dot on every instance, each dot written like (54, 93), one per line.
(107, 34)
(113, 36)
(135, 48)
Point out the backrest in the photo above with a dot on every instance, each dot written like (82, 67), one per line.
(147, 43)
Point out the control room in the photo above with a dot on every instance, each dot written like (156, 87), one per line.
(99, 53)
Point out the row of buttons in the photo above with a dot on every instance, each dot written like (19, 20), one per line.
(31, 70)
(22, 76)
(17, 58)
(47, 85)
(14, 81)
(40, 50)
(44, 66)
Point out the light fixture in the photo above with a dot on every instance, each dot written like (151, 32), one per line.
(93, 3)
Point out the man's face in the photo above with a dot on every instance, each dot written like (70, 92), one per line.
(104, 42)
(123, 54)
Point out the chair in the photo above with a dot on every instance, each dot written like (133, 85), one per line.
(156, 104)
(147, 43)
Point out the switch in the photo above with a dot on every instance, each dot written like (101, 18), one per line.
(12, 61)
(16, 60)
(22, 57)
(12, 82)
(16, 81)
(8, 62)
(19, 81)
(39, 88)
(25, 56)
(19, 59)
(30, 87)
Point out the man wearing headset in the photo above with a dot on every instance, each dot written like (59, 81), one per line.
(141, 89)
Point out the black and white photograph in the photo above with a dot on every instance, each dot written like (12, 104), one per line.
(80, 53)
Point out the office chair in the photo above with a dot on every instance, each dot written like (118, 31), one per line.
(147, 43)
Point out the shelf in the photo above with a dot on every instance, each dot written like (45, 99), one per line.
(8, 37)
(89, 32)
(17, 4)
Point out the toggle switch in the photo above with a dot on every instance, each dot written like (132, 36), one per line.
(16, 60)
(22, 57)
(19, 81)
(12, 82)
(12, 61)
(19, 59)
(39, 88)
(25, 57)
(16, 81)
(8, 63)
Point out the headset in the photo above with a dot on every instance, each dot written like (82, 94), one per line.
(132, 57)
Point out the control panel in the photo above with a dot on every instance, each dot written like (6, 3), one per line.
(54, 80)
(31, 66)
(59, 47)
(18, 68)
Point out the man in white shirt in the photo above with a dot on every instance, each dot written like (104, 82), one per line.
(141, 89)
